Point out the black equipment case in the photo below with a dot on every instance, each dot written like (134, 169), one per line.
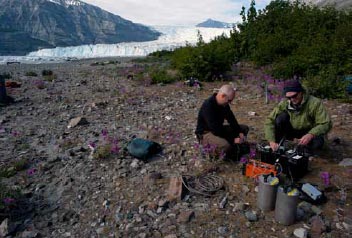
(293, 162)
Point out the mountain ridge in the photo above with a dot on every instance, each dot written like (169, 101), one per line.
(338, 4)
(214, 24)
(52, 23)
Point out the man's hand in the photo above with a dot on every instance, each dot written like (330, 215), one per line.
(274, 146)
(306, 139)
(240, 139)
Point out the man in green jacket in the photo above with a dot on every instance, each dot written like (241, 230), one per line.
(302, 118)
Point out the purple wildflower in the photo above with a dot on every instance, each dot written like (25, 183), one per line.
(104, 132)
(222, 155)
(8, 200)
(31, 171)
(243, 160)
(325, 176)
(115, 149)
(15, 133)
(252, 153)
(92, 145)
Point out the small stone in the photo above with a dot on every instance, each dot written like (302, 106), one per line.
(300, 214)
(142, 235)
(251, 216)
(256, 189)
(316, 210)
(339, 226)
(347, 226)
(106, 204)
(245, 189)
(4, 228)
(185, 216)
(101, 230)
(300, 233)
(175, 189)
(239, 206)
(135, 164)
(317, 226)
(163, 203)
(151, 214)
(77, 122)
(29, 234)
(171, 236)
(223, 202)
(346, 162)
(159, 210)
(223, 230)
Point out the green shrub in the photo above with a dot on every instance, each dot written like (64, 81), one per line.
(161, 76)
(31, 74)
(326, 84)
(13, 168)
(103, 152)
(50, 78)
(47, 72)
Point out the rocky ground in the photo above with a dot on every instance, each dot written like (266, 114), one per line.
(67, 191)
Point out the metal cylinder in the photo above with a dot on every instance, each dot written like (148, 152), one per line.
(267, 190)
(286, 206)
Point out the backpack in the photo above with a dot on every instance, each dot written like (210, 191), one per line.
(142, 148)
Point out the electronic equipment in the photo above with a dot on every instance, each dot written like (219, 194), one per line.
(292, 161)
(311, 191)
(254, 168)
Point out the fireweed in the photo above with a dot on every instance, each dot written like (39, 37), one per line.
(107, 146)
(265, 82)
(208, 152)
(325, 176)
(31, 172)
(252, 155)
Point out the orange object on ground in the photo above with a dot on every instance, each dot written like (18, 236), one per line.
(254, 168)
(12, 84)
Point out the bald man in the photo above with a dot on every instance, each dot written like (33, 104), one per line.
(210, 124)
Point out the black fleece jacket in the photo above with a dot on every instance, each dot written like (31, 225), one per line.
(211, 118)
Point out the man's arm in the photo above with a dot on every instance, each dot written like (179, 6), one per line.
(269, 127)
(231, 119)
(322, 121)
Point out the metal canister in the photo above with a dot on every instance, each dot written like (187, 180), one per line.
(286, 205)
(267, 190)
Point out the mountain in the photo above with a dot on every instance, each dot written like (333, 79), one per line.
(29, 25)
(339, 4)
(214, 24)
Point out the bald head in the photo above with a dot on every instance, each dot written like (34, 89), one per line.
(227, 89)
(225, 94)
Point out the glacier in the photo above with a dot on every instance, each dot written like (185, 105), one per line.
(172, 37)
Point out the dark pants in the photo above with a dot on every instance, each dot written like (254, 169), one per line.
(283, 128)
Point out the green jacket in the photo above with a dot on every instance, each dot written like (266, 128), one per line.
(312, 117)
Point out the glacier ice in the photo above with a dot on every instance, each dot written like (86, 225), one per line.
(171, 38)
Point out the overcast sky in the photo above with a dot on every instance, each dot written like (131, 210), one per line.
(176, 12)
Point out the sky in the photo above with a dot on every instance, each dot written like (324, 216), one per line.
(176, 12)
